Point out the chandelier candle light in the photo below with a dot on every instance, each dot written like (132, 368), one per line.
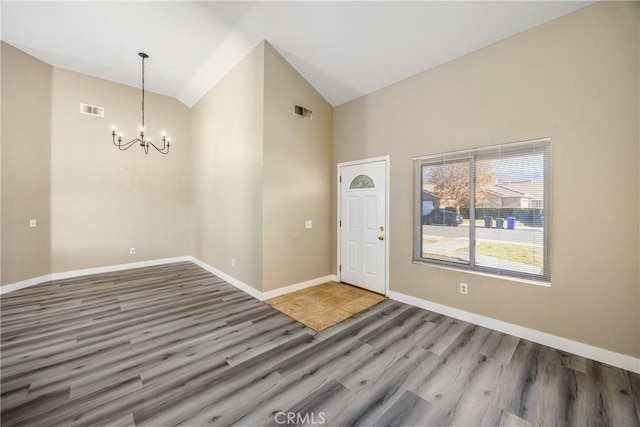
(142, 140)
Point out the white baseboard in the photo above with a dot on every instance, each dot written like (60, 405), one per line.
(256, 293)
(88, 271)
(24, 284)
(296, 287)
(117, 267)
(232, 280)
(585, 350)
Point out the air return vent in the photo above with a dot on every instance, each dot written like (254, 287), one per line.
(92, 110)
(301, 111)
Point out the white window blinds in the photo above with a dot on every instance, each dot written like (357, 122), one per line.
(486, 209)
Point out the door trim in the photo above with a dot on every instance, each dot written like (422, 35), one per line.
(387, 163)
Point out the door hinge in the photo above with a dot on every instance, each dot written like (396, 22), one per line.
(340, 178)
(340, 267)
(340, 225)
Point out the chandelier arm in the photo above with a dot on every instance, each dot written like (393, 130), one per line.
(128, 145)
(118, 143)
(163, 150)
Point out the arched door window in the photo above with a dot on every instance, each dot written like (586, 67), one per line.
(360, 182)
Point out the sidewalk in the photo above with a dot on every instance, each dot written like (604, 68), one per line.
(449, 248)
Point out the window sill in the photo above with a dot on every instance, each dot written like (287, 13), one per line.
(540, 283)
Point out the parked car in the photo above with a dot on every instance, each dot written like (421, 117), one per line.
(441, 217)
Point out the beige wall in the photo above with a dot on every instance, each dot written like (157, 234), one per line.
(105, 201)
(260, 172)
(92, 202)
(210, 197)
(227, 131)
(575, 80)
(296, 178)
(26, 123)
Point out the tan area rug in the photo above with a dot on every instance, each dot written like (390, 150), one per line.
(322, 306)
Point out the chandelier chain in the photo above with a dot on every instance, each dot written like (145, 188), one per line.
(143, 92)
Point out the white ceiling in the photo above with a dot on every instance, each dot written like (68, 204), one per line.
(343, 49)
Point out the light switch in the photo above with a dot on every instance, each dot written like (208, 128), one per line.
(308, 224)
(32, 223)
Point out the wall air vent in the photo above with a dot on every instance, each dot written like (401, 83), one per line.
(299, 110)
(92, 110)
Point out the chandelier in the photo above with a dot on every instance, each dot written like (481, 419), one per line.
(142, 139)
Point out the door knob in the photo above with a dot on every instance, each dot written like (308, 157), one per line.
(381, 228)
(380, 237)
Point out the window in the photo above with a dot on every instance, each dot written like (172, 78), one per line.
(486, 209)
(361, 181)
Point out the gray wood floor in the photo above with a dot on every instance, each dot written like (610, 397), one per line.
(175, 345)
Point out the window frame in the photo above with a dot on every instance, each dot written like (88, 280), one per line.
(523, 147)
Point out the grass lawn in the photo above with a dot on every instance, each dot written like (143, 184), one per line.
(531, 255)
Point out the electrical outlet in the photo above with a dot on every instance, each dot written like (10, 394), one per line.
(32, 223)
(308, 224)
(132, 251)
(464, 288)
(233, 262)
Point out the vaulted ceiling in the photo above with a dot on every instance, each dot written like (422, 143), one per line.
(343, 49)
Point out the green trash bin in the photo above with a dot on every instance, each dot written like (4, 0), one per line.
(500, 223)
(488, 221)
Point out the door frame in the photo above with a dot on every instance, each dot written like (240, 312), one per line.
(387, 163)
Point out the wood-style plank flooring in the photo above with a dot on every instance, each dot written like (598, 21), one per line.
(176, 345)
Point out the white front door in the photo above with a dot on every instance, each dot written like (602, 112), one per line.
(362, 225)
